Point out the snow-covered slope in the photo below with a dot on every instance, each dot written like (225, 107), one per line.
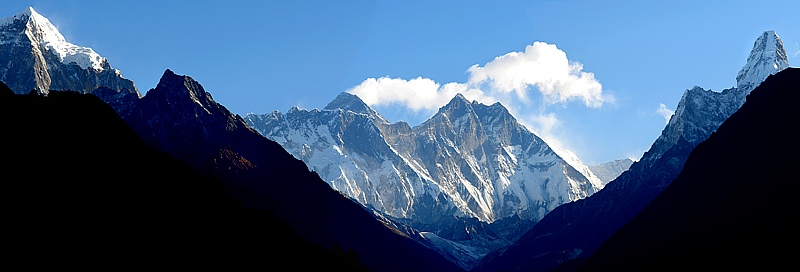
(492, 165)
(469, 160)
(767, 57)
(40, 30)
(347, 150)
(46, 61)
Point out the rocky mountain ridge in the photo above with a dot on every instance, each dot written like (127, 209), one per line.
(468, 161)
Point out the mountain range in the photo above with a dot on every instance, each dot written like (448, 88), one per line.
(137, 178)
(181, 119)
(467, 161)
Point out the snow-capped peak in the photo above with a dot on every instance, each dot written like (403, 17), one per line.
(351, 102)
(458, 102)
(42, 32)
(459, 98)
(767, 57)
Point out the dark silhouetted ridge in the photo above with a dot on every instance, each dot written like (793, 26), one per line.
(81, 189)
(180, 118)
(734, 205)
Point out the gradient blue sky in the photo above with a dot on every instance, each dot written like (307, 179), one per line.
(260, 56)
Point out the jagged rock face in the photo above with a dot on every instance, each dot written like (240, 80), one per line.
(35, 56)
(699, 113)
(494, 166)
(347, 150)
(468, 160)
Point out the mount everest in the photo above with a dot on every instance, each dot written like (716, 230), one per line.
(467, 161)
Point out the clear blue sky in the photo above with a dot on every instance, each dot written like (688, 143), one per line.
(260, 56)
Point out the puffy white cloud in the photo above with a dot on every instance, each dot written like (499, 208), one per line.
(541, 66)
(665, 112)
(545, 67)
(416, 94)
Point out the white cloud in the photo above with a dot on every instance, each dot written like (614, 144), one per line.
(544, 123)
(542, 66)
(665, 112)
(545, 67)
(796, 50)
(418, 94)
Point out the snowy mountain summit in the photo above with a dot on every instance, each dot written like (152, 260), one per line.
(701, 111)
(40, 30)
(30, 40)
(468, 166)
(468, 160)
(767, 57)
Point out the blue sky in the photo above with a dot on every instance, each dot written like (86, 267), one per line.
(260, 56)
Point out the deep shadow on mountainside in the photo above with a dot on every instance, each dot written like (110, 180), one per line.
(573, 231)
(734, 205)
(81, 189)
(576, 229)
(179, 117)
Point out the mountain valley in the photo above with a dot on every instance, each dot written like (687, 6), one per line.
(138, 177)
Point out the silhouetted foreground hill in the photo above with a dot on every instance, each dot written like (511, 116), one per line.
(734, 205)
(81, 189)
(179, 117)
(573, 231)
